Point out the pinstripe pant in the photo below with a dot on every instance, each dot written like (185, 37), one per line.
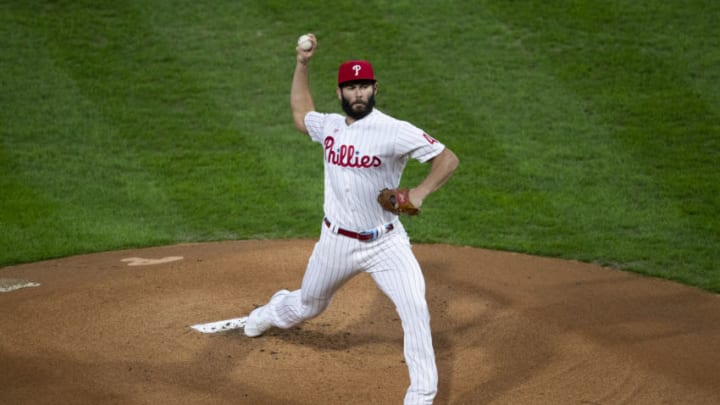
(394, 268)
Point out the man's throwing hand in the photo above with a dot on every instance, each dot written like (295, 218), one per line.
(306, 46)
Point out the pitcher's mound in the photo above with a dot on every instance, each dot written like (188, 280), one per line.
(507, 329)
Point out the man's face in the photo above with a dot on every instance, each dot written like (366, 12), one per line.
(357, 98)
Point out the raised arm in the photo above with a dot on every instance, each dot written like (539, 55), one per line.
(301, 100)
(442, 167)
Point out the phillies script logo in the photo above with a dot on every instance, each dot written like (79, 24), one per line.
(346, 156)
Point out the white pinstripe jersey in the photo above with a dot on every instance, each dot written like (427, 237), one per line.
(363, 158)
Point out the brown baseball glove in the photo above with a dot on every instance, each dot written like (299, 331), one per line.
(397, 201)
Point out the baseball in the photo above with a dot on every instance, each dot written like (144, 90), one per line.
(304, 43)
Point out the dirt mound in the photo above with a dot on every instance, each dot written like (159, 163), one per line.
(507, 329)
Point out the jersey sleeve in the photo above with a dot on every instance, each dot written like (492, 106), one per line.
(417, 144)
(315, 122)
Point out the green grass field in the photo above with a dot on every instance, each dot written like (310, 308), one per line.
(586, 130)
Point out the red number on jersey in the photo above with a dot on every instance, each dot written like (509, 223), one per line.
(429, 138)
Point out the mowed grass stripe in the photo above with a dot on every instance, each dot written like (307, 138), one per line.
(52, 157)
(168, 120)
(636, 84)
(183, 108)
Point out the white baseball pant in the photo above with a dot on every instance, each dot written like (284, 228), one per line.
(392, 265)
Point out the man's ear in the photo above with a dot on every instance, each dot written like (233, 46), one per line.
(375, 87)
(339, 93)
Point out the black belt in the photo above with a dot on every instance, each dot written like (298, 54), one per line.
(363, 236)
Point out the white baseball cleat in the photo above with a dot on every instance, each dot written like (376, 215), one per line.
(259, 321)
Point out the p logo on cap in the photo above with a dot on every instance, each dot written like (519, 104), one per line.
(355, 70)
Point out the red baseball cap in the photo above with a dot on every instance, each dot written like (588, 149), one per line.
(355, 70)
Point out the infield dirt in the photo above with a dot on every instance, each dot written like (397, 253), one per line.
(507, 329)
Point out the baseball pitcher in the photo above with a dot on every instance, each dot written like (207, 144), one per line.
(365, 152)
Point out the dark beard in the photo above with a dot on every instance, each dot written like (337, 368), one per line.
(357, 115)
